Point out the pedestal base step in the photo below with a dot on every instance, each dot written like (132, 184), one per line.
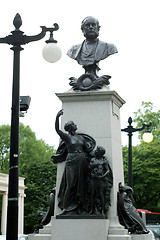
(39, 237)
(130, 237)
(141, 236)
(44, 234)
(119, 237)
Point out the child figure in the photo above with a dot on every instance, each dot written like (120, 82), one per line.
(100, 180)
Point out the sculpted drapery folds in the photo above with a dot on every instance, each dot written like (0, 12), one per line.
(128, 215)
(76, 194)
(74, 149)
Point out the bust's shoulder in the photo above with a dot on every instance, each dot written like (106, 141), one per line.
(110, 45)
(75, 47)
(107, 48)
(73, 51)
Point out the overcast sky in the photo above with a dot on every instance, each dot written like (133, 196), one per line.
(133, 26)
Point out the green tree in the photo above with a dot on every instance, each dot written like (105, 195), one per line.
(40, 180)
(146, 175)
(146, 161)
(147, 115)
(4, 147)
(37, 169)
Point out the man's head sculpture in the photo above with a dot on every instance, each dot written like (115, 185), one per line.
(90, 27)
(88, 54)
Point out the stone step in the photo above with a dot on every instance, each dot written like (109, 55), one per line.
(39, 237)
(119, 237)
(45, 230)
(141, 236)
(44, 234)
(130, 237)
(118, 231)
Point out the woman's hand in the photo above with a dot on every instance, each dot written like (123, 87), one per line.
(60, 113)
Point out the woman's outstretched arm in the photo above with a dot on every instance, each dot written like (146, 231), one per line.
(60, 133)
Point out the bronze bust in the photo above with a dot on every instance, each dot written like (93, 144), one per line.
(88, 54)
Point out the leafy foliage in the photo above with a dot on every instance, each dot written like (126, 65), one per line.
(146, 175)
(4, 147)
(37, 169)
(146, 161)
(147, 115)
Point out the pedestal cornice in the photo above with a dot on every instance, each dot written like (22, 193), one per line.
(79, 96)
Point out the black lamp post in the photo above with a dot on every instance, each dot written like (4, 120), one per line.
(16, 39)
(130, 130)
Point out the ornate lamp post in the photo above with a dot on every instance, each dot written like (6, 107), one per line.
(147, 137)
(16, 39)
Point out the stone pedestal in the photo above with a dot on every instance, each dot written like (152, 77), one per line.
(97, 113)
(79, 229)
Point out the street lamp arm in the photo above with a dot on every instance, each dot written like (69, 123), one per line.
(3, 40)
(37, 37)
(130, 129)
(140, 129)
(42, 34)
(17, 38)
(144, 126)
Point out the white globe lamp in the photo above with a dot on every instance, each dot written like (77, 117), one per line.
(51, 52)
(147, 137)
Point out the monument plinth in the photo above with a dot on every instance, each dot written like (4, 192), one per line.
(97, 113)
